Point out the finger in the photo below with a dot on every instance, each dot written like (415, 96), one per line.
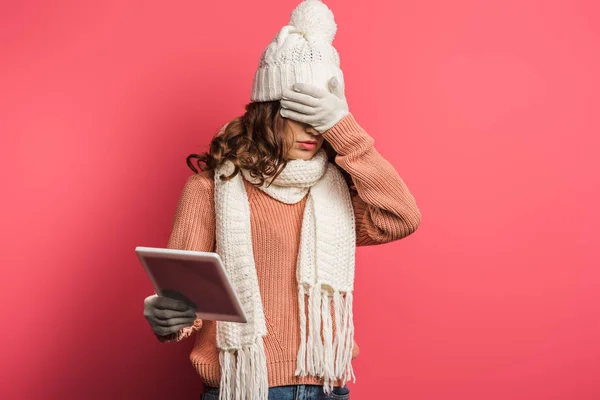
(299, 107)
(175, 328)
(300, 98)
(310, 90)
(169, 303)
(175, 321)
(167, 314)
(163, 331)
(296, 116)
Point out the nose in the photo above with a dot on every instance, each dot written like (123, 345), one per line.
(309, 129)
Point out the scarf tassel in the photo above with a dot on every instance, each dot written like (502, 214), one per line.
(244, 373)
(301, 369)
(329, 357)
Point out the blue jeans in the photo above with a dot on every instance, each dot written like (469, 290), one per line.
(292, 392)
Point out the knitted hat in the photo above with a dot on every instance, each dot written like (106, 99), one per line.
(300, 52)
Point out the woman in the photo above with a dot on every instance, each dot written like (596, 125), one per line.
(286, 193)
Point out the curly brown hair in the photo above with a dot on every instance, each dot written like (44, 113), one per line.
(255, 141)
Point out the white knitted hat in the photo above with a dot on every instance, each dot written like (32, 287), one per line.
(300, 52)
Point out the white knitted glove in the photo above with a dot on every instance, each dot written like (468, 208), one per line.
(315, 106)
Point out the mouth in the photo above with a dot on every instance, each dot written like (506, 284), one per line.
(308, 144)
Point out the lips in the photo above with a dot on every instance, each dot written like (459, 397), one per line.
(309, 141)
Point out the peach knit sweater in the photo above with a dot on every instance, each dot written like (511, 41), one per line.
(385, 211)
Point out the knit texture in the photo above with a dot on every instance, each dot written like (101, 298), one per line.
(302, 51)
(384, 211)
(325, 272)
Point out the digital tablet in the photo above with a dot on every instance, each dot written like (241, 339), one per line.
(198, 276)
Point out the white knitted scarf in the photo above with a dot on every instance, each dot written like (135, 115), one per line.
(324, 271)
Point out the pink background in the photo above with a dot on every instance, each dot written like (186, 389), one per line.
(488, 110)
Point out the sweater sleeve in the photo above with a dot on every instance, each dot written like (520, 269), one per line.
(384, 208)
(193, 228)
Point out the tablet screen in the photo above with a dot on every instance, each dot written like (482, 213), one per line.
(201, 282)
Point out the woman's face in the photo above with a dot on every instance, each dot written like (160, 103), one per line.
(299, 132)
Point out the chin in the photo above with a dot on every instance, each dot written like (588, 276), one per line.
(302, 155)
(296, 154)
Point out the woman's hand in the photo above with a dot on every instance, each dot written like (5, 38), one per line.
(315, 106)
(167, 315)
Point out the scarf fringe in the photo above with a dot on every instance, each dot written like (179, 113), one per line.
(329, 357)
(244, 373)
(328, 361)
(301, 358)
(315, 345)
(349, 331)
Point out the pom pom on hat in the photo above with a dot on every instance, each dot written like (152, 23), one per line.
(314, 19)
